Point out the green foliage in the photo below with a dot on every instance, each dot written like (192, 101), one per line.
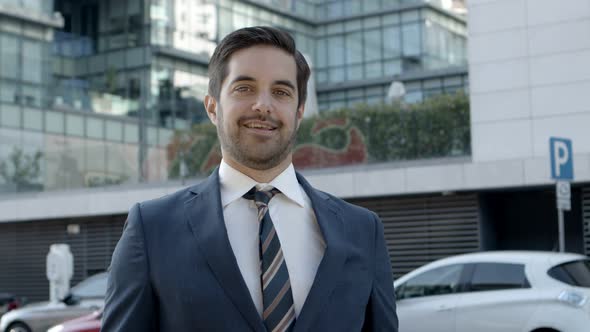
(21, 169)
(437, 127)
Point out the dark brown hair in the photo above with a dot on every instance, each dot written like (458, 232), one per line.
(253, 36)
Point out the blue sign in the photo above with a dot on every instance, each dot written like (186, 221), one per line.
(562, 158)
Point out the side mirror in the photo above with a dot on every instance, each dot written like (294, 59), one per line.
(70, 299)
(399, 293)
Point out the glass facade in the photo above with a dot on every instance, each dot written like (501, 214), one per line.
(322, 10)
(387, 47)
(24, 63)
(184, 25)
(44, 7)
(78, 151)
(98, 92)
(100, 57)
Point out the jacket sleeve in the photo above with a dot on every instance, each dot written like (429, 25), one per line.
(130, 304)
(380, 313)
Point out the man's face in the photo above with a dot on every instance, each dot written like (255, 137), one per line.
(257, 115)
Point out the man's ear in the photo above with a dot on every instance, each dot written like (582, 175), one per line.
(211, 108)
(299, 114)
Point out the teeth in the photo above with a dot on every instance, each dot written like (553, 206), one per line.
(258, 126)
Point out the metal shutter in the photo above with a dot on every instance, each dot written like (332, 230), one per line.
(586, 217)
(24, 247)
(421, 229)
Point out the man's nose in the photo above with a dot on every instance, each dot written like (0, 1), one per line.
(263, 103)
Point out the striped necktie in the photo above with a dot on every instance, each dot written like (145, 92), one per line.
(279, 312)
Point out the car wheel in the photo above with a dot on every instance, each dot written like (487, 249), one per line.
(18, 327)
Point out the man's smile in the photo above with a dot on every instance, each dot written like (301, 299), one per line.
(260, 125)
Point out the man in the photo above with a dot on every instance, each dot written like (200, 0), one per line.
(254, 247)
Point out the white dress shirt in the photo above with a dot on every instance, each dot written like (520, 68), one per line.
(295, 223)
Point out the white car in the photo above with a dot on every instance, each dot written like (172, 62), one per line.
(511, 291)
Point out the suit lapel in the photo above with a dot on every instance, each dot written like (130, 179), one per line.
(333, 229)
(205, 218)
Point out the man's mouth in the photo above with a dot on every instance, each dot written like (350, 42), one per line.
(259, 125)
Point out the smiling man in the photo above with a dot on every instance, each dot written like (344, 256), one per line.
(254, 247)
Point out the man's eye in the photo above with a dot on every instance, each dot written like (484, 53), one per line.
(282, 93)
(243, 89)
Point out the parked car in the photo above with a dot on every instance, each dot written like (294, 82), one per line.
(83, 299)
(497, 292)
(8, 302)
(88, 323)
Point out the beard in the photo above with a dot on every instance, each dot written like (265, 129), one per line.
(253, 153)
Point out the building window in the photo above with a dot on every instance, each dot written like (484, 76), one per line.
(95, 128)
(373, 45)
(8, 91)
(411, 39)
(32, 119)
(9, 57)
(10, 116)
(336, 50)
(354, 48)
(74, 125)
(354, 72)
(54, 122)
(391, 42)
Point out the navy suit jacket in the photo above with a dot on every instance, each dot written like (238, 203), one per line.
(174, 269)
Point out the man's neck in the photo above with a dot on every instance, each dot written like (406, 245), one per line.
(260, 176)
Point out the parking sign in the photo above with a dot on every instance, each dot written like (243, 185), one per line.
(564, 195)
(562, 170)
(562, 159)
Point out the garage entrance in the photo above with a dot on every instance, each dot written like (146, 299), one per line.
(527, 220)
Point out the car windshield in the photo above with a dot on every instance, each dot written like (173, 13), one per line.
(576, 273)
(95, 286)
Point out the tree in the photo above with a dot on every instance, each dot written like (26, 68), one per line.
(22, 170)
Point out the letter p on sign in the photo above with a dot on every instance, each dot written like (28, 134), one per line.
(562, 163)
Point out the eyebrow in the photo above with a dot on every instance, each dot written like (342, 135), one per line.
(252, 79)
(286, 83)
(242, 78)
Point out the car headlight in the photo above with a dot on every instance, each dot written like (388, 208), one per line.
(56, 328)
(572, 298)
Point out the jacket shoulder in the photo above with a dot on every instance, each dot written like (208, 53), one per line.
(179, 196)
(167, 205)
(347, 208)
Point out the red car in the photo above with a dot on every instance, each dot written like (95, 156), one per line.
(88, 323)
(8, 302)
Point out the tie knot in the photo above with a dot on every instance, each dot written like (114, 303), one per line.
(261, 196)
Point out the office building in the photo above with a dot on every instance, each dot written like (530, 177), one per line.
(95, 93)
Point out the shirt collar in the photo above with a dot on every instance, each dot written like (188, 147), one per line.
(234, 184)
